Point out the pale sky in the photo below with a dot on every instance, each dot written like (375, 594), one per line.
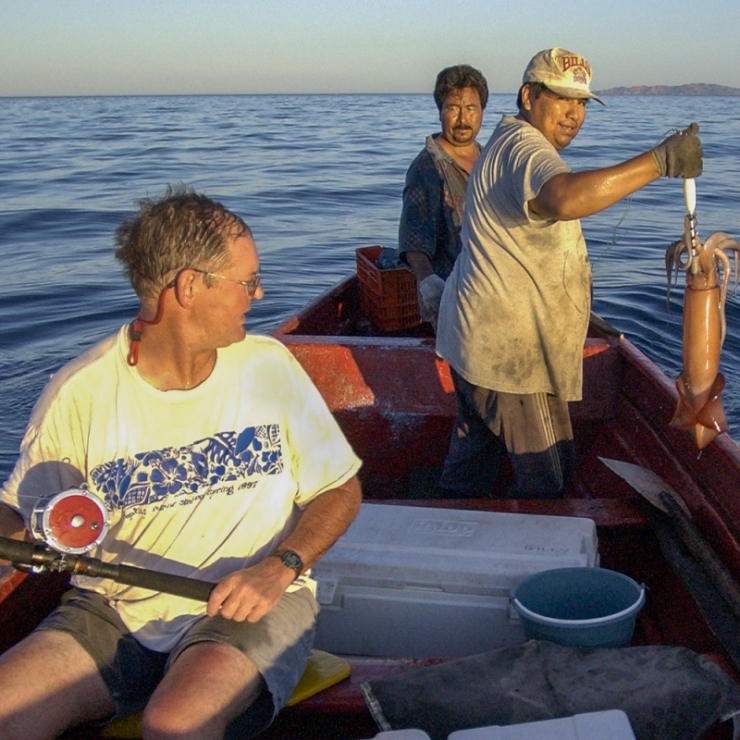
(121, 47)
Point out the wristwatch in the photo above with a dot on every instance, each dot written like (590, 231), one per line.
(290, 559)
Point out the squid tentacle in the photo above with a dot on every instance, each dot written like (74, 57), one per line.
(673, 257)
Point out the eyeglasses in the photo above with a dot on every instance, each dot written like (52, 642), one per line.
(250, 285)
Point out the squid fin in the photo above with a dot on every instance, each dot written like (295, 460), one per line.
(712, 415)
(706, 423)
(684, 416)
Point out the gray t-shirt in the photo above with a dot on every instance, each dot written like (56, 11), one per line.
(515, 310)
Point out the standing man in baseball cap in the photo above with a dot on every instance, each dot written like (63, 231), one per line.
(515, 310)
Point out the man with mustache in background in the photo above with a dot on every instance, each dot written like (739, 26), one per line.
(436, 181)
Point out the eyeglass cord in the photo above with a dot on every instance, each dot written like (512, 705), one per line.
(137, 325)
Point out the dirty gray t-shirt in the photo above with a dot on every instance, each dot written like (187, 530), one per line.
(515, 309)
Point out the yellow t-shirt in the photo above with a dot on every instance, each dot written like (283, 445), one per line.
(198, 483)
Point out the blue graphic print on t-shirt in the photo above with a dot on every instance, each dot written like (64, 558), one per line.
(152, 476)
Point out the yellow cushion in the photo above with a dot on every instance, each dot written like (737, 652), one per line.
(123, 728)
(322, 670)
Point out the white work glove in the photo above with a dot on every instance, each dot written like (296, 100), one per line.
(430, 294)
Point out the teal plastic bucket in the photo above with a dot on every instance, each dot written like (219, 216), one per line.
(587, 607)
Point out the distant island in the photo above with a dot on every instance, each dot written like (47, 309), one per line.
(697, 88)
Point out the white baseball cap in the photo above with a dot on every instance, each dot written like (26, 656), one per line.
(563, 72)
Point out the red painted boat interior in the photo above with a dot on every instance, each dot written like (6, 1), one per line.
(394, 399)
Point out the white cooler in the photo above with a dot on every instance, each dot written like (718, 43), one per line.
(611, 724)
(409, 581)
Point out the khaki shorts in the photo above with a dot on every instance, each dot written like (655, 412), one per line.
(278, 644)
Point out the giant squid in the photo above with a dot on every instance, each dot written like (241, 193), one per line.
(707, 266)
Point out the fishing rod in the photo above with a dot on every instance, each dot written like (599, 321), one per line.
(65, 527)
(38, 557)
(689, 196)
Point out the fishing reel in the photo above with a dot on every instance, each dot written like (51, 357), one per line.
(65, 526)
(71, 522)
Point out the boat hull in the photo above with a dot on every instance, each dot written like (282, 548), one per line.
(393, 397)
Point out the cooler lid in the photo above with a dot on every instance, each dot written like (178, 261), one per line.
(454, 550)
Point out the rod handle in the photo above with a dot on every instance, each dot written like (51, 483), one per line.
(34, 554)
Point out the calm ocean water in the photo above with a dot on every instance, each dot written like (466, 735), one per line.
(315, 177)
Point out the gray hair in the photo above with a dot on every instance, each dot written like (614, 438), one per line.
(179, 230)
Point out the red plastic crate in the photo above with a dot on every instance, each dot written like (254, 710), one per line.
(387, 297)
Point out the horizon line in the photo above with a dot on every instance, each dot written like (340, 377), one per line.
(605, 90)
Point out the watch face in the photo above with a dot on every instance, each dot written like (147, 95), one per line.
(292, 560)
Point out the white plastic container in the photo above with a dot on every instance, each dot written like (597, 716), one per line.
(409, 581)
(612, 724)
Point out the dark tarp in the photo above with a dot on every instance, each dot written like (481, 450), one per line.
(668, 693)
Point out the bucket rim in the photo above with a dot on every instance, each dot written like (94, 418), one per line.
(542, 619)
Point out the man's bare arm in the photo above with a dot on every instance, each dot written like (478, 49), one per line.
(570, 196)
(250, 593)
(11, 525)
(419, 262)
(324, 520)
(573, 195)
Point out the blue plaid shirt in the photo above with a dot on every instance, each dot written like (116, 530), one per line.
(433, 201)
